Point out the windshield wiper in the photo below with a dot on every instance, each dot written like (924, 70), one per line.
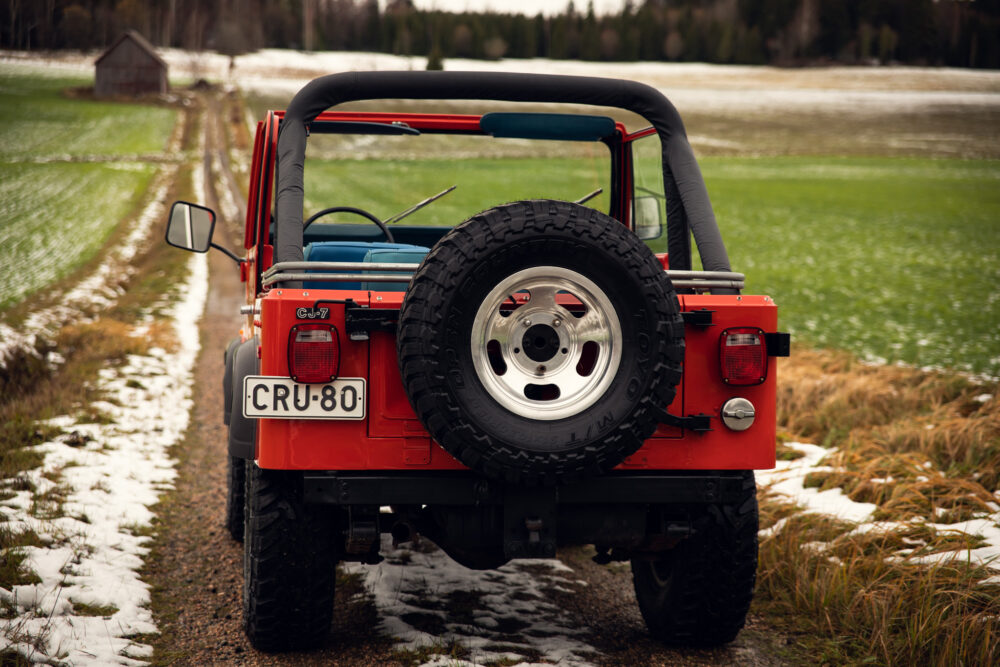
(587, 198)
(417, 207)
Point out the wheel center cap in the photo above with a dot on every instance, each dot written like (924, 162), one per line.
(540, 342)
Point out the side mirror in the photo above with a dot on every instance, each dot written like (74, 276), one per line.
(648, 217)
(190, 226)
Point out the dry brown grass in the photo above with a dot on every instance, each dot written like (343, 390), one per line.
(858, 603)
(890, 420)
(925, 449)
(824, 395)
(107, 339)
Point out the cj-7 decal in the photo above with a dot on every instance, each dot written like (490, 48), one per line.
(312, 313)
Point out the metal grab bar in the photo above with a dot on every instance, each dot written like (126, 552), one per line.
(295, 271)
(337, 277)
(338, 266)
(282, 267)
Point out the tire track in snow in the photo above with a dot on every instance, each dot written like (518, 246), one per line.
(425, 599)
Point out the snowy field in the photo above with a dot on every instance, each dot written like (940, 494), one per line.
(691, 86)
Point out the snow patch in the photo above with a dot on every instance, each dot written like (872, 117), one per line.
(788, 479)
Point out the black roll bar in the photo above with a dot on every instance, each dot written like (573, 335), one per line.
(688, 207)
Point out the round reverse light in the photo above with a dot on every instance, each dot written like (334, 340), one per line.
(738, 414)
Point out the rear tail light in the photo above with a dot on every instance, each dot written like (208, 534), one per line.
(743, 356)
(313, 352)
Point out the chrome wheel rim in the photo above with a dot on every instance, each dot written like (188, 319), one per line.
(546, 343)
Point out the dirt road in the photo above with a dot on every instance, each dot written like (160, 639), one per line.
(532, 613)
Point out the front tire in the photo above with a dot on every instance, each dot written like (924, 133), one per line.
(699, 592)
(289, 564)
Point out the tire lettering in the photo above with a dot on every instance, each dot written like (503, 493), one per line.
(280, 396)
(328, 402)
(305, 401)
(605, 420)
(642, 342)
(253, 397)
(633, 388)
(348, 404)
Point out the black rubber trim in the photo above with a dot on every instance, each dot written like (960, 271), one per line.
(698, 318)
(778, 344)
(360, 319)
(698, 423)
(355, 127)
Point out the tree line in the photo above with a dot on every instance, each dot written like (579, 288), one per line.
(964, 33)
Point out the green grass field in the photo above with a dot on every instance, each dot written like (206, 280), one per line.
(41, 122)
(54, 217)
(893, 259)
(388, 187)
(70, 171)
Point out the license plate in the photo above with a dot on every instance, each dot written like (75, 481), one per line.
(283, 398)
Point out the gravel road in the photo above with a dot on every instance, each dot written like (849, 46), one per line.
(571, 612)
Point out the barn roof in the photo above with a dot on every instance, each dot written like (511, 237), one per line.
(138, 39)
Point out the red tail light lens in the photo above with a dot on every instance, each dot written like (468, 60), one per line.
(743, 356)
(313, 353)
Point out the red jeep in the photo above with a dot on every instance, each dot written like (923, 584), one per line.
(532, 377)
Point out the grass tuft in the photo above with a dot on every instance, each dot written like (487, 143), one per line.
(424, 654)
(12, 556)
(103, 339)
(105, 610)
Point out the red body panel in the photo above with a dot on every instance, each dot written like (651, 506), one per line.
(392, 438)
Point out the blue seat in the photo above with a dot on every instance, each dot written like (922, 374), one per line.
(410, 255)
(349, 251)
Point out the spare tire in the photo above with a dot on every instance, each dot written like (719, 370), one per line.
(538, 342)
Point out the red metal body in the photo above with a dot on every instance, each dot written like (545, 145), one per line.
(391, 437)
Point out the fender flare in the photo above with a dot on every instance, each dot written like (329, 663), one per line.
(227, 380)
(242, 430)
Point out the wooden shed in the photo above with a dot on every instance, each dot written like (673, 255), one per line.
(130, 66)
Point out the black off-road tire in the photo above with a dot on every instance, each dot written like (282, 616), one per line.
(698, 593)
(235, 497)
(289, 564)
(436, 358)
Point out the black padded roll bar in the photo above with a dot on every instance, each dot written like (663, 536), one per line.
(688, 206)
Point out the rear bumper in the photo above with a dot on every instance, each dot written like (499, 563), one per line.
(625, 488)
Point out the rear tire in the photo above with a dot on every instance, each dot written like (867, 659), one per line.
(289, 564)
(699, 592)
(235, 497)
